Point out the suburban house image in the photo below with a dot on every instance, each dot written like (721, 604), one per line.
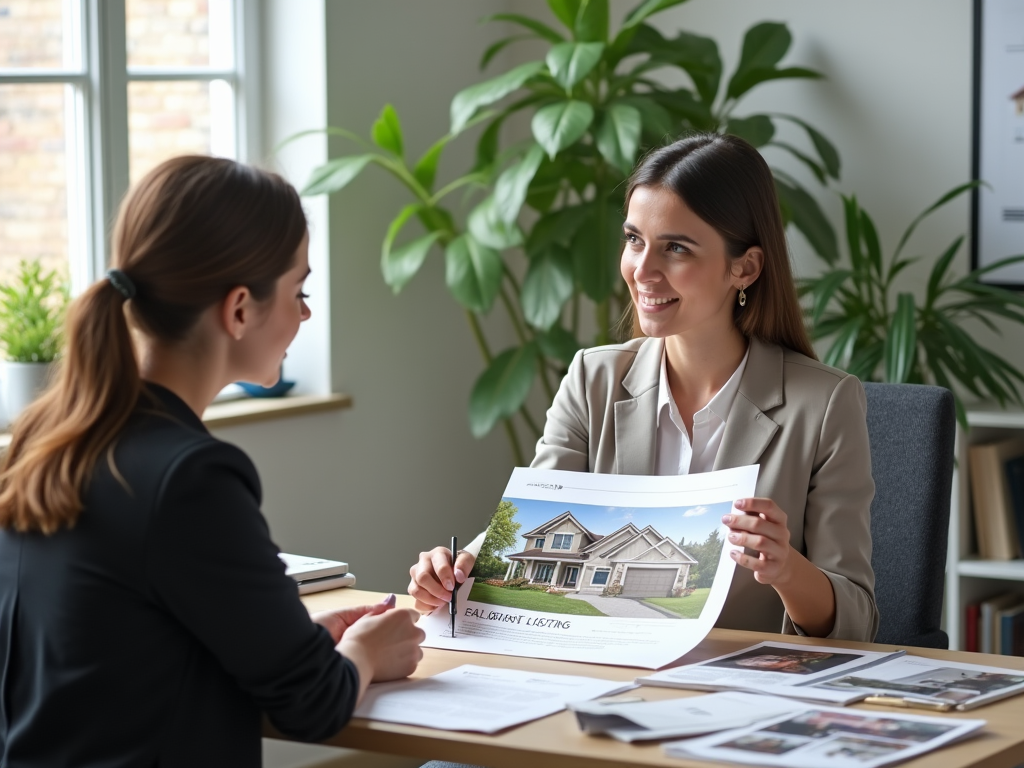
(564, 554)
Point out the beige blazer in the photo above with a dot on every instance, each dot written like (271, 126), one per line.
(803, 422)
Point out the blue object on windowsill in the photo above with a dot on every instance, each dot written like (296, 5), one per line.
(279, 389)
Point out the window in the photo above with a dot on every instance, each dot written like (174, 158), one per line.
(94, 93)
(539, 543)
(600, 577)
(543, 573)
(562, 541)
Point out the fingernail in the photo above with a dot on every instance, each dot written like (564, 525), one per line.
(734, 537)
(460, 575)
(448, 585)
(734, 554)
(727, 519)
(389, 601)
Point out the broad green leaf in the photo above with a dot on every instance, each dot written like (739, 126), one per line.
(387, 131)
(654, 118)
(558, 343)
(741, 84)
(510, 189)
(556, 227)
(487, 146)
(686, 107)
(764, 45)
(647, 8)
(808, 217)
(400, 265)
(596, 249)
(425, 170)
(473, 273)
(547, 183)
(592, 21)
(618, 136)
(951, 195)
(335, 174)
(811, 163)
(488, 228)
(566, 11)
(826, 150)
(869, 235)
(756, 129)
(468, 101)
(547, 286)
(851, 215)
(497, 47)
(901, 341)
(436, 218)
(539, 28)
(697, 55)
(825, 288)
(502, 389)
(841, 350)
(558, 125)
(571, 62)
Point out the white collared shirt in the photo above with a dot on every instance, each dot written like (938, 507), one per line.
(677, 454)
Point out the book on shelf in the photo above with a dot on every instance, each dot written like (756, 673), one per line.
(989, 621)
(994, 516)
(973, 612)
(1011, 629)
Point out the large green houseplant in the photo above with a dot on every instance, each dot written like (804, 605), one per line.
(596, 101)
(880, 332)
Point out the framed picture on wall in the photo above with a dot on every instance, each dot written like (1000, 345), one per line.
(998, 207)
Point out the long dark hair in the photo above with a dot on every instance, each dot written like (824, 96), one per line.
(727, 183)
(188, 233)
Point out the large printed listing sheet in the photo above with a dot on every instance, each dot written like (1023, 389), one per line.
(606, 569)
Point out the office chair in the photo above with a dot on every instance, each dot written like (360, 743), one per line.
(911, 429)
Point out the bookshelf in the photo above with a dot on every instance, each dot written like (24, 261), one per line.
(968, 578)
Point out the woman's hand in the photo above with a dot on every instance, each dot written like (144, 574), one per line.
(383, 646)
(337, 622)
(763, 528)
(433, 577)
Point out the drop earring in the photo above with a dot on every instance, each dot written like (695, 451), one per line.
(742, 297)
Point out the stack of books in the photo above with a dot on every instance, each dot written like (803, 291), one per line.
(996, 625)
(314, 574)
(997, 490)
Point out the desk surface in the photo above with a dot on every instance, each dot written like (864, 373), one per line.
(557, 742)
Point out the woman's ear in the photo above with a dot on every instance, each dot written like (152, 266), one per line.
(237, 312)
(747, 268)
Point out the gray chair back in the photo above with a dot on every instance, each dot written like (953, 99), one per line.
(911, 429)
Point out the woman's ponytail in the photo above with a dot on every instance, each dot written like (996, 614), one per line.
(192, 230)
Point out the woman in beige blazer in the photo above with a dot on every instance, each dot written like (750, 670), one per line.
(723, 376)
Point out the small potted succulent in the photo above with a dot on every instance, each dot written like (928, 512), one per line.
(32, 308)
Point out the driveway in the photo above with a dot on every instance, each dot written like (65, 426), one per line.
(620, 607)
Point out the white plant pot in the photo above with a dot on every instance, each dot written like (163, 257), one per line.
(22, 383)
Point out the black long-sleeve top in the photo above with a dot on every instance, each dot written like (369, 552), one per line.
(157, 629)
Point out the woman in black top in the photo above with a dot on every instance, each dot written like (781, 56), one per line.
(145, 618)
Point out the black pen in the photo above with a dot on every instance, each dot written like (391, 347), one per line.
(455, 589)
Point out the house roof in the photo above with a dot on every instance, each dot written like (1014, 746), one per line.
(689, 558)
(627, 526)
(650, 530)
(545, 527)
(540, 554)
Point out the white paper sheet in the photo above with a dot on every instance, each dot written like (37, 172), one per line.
(781, 669)
(482, 699)
(677, 718)
(828, 737)
(620, 533)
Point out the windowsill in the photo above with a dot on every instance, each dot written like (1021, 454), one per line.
(255, 409)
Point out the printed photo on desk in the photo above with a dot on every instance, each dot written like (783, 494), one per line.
(610, 569)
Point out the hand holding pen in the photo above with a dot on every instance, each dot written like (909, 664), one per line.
(455, 590)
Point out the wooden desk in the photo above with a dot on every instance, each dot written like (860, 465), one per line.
(557, 742)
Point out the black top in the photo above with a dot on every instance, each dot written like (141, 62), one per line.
(156, 630)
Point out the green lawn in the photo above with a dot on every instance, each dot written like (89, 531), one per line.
(687, 607)
(531, 600)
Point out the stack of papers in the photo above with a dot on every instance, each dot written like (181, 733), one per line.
(780, 669)
(482, 699)
(314, 574)
(827, 737)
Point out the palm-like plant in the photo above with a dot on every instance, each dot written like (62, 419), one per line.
(912, 339)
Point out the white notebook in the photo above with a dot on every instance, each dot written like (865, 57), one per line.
(315, 574)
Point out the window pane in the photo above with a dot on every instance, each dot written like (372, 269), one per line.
(32, 34)
(34, 168)
(179, 33)
(166, 119)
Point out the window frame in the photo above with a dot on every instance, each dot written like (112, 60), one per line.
(593, 577)
(538, 543)
(555, 543)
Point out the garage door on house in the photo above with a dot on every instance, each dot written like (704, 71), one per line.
(649, 582)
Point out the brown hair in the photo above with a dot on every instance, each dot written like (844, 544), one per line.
(187, 234)
(727, 183)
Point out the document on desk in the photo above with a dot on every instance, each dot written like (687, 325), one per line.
(781, 669)
(828, 737)
(482, 699)
(607, 569)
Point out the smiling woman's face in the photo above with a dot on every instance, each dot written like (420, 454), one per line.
(676, 266)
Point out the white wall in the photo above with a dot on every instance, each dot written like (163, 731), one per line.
(400, 471)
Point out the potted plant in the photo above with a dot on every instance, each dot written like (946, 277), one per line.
(31, 318)
(881, 333)
(596, 101)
